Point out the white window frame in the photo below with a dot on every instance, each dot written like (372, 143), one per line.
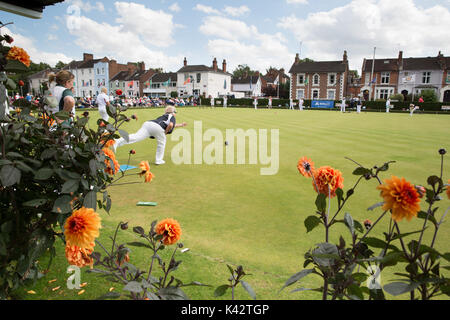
(318, 94)
(328, 94)
(384, 76)
(335, 79)
(426, 77)
(318, 79)
(298, 79)
(303, 94)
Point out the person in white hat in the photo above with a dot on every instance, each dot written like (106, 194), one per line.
(155, 129)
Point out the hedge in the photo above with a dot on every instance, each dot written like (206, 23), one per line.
(284, 103)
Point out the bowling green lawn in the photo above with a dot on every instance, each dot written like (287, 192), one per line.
(231, 214)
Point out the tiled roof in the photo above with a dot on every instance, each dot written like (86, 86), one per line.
(388, 64)
(246, 80)
(163, 77)
(120, 76)
(421, 64)
(318, 66)
(201, 68)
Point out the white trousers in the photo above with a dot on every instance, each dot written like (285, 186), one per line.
(103, 114)
(148, 129)
(358, 108)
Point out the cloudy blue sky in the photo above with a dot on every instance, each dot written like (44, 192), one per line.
(259, 33)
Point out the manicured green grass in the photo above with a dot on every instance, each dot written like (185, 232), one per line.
(230, 214)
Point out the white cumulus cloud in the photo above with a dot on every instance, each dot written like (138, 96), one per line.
(236, 11)
(206, 9)
(361, 25)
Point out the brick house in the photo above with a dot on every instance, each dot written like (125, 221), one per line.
(384, 82)
(408, 76)
(325, 80)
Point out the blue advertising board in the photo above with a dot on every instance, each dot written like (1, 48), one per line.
(322, 104)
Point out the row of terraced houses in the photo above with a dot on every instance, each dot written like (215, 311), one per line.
(325, 80)
(332, 80)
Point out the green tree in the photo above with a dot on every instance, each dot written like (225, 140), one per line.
(242, 70)
(60, 65)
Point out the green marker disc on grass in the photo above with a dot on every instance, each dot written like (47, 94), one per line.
(147, 204)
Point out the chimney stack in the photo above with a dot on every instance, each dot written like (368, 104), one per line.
(224, 65)
(344, 58)
(185, 62)
(297, 58)
(215, 64)
(142, 66)
(88, 56)
(400, 60)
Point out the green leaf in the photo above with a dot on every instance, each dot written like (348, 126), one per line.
(43, 174)
(172, 293)
(311, 222)
(376, 205)
(124, 135)
(139, 230)
(423, 215)
(133, 286)
(62, 115)
(35, 203)
(293, 279)
(325, 254)
(321, 202)
(10, 175)
(249, 289)
(109, 295)
(48, 153)
(62, 205)
(220, 290)
(349, 222)
(362, 171)
(355, 291)
(398, 288)
(340, 195)
(385, 166)
(375, 242)
(90, 200)
(433, 180)
(70, 186)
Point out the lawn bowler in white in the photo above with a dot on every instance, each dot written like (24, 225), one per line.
(212, 102)
(343, 105)
(255, 102)
(412, 108)
(156, 129)
(291, 104)
(358, 106)
(103, 102)
(225, 101)
(300, 104)
(388, 105)
(270, 103)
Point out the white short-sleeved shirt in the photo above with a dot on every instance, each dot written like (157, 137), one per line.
(102, 100)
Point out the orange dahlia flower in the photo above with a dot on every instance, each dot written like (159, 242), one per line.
(401, 197)
(170, 230)
(448, 189)
(16, 53)
(305, 166)
(327, 180)
(109, 143)
(144, 166)
(110, 154)
(149, 176)
(78, 256)
(82, 227)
